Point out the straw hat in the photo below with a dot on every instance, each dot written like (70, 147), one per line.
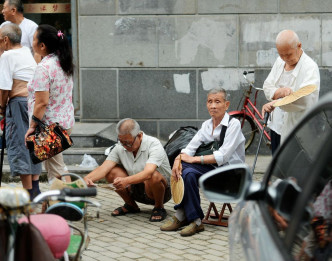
(304, 91)
(177, 189)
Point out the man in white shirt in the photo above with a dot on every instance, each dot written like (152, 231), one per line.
(16, 69)
(292, 70)
(139, 169)
(219, 128)
(13, 13)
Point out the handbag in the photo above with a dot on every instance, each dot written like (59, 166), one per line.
(47, 141)
(209, 148)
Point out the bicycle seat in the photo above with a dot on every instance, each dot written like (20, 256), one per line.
(66, 210)
(54, 230)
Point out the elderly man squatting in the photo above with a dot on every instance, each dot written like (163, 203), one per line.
(139, 169)
(292, 70)
(16, 69)
(232, 151)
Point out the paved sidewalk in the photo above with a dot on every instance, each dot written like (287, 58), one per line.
(134, 237)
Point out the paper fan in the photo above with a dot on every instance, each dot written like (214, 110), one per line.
(304, 91)
(177, 189)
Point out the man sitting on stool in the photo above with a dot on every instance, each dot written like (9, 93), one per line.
(232, 151)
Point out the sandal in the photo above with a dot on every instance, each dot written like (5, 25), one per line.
(158, 212)
(122, 212)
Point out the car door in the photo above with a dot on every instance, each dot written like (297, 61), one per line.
(298, 178)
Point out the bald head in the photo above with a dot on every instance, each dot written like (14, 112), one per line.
(287, 38)
(128, 126)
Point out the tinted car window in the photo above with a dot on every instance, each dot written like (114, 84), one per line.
(289, 177)
(302, 149)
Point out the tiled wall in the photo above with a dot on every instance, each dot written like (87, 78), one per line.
(155, 60)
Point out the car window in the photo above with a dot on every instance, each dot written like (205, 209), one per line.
(288, 178)
(295, 159)
(313, 239)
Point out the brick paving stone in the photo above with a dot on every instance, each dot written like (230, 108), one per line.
(116, 249)
(131, 255)
(157, 245)
(95, 248)
(170, 256)
(198, 247)
(218, 242)
(178, 246)
(214, 252)
(151, 255)
(191, 257)
(213, 258)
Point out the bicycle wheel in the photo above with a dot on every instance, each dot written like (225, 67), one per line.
(248, 126)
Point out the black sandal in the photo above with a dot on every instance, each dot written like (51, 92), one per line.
(121, 212)
(158, 212)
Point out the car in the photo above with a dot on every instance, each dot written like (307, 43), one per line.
(287, 215)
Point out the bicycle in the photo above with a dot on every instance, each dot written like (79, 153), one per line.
(27, 236)
(247, 115)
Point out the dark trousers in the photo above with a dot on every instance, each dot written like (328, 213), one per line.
(275, 141)
(191, 202)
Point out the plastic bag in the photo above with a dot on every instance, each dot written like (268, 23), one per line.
(88, 162)
(179, 141)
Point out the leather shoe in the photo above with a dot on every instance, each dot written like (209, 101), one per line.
(173, 224)
(192, 229)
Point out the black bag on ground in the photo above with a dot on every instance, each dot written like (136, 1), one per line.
(179, 141)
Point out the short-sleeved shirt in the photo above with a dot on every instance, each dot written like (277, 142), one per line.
(16, 64)
(28, 28)
(150, 151)
(50, 77)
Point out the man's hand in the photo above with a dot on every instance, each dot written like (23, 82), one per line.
(282, 92)
(89, 182)
(268, 107)
(121, 183)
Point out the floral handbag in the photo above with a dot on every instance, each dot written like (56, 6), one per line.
(47, 141)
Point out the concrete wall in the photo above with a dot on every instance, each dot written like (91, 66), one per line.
(154, 60)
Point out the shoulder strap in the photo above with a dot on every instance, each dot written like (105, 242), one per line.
(223, 132)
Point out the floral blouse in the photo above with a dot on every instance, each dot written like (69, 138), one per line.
(49, 76)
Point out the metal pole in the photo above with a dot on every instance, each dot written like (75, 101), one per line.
(266, 117)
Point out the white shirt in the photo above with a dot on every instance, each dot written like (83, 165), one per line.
(232, 151)
(306, 72)
(150, 151)
(277, 115)
(16, 64)
(28, 28)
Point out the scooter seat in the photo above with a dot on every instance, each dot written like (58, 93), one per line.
(54, 229)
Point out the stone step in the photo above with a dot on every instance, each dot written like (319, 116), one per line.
(74, 156)
(82, 171)
(87, 135)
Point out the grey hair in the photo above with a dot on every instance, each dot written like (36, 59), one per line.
(13, 32)
(219, 90)
(288, 37)
(130, 127)
(17, 4)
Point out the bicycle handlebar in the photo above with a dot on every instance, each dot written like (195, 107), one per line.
(245, 73)
(80, 192)
(66, 194)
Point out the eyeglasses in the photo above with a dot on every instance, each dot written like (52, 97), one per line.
(127, 144)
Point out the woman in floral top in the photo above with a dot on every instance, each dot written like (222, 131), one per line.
(50, 90)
